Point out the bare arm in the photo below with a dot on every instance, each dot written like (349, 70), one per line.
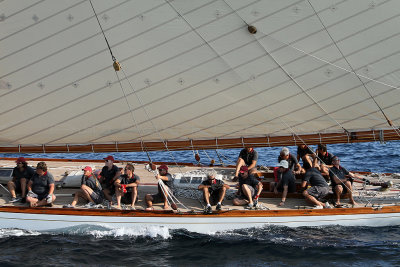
(253, 164)
(29, 186)
(202, 186)
(51, 189)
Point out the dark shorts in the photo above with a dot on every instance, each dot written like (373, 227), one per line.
(345, 189)
(127, 198)
(97, 197)
(158, 198)
(214, 197)
(18, 186)
(319, 192)
(42, 196)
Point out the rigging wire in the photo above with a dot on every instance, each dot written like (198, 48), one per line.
(352, 70)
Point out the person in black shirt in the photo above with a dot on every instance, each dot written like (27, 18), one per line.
(318, 190)
(286, 181)
(306, 155)
(323, 159)
(249, 189)
(126, 187)
(294, 165)
(21, 174)
(41, 187)
(90, 191)
(109, 174)
(160, 196)
(341, 181)
(247, 157)
(213, 189)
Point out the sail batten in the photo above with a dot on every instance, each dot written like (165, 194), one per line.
(192, 70)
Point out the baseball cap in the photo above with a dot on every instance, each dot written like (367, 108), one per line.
(163, 167)
(109, 158)
(20, 160)
(284, 164)
(244, 169)
(87, 168)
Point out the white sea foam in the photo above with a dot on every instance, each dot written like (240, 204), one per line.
(148, 231)
(107, 231)
(4, 233)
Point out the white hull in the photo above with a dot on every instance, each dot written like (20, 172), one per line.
(203, 224)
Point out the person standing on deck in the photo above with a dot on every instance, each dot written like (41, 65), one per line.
(21, 174)
(323, 159)
(126, 187)
(249, 189)
(213, 189)
(41, 187)
(90, 189)
(306, 155)
(247, 157)
(161, 195)
(318, 190)
(109, 174)
(286, 180)
(341, 181)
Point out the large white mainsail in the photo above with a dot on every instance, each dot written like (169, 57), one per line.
(194, 75)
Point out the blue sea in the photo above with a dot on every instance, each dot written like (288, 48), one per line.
(269, 246)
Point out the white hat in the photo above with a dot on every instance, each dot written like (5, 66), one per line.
(284, 164)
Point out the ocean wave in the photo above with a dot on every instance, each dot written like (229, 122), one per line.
(6, 232)
(105, 231)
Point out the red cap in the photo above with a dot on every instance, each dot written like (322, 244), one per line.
(163, 167)
(244, 169)
(87, 168)
(20, 160)
(109, 158)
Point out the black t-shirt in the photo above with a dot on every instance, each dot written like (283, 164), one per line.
(27, 173)
(286, 177)
(124, 179)
(109, 175)
(327, 159)
(91, 182)
(167, 183)
(303, 151)
(314, 177)
(250, 180)
(339, 172)
(215, 186)
(248, 157)
(41, 184)
(292, 160)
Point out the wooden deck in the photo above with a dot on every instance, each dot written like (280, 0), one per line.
(268, 200)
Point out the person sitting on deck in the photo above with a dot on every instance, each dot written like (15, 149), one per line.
(90, 190)
(294, 164)
(341, 181)
(161, 195)
(249, 189)
(126, 187)
(21, 174)
(286, 181)
(41, 187)
(247, 157)
(306, 155)
(109, 174)
(214, 190)
(318, 190)
(323, 158)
